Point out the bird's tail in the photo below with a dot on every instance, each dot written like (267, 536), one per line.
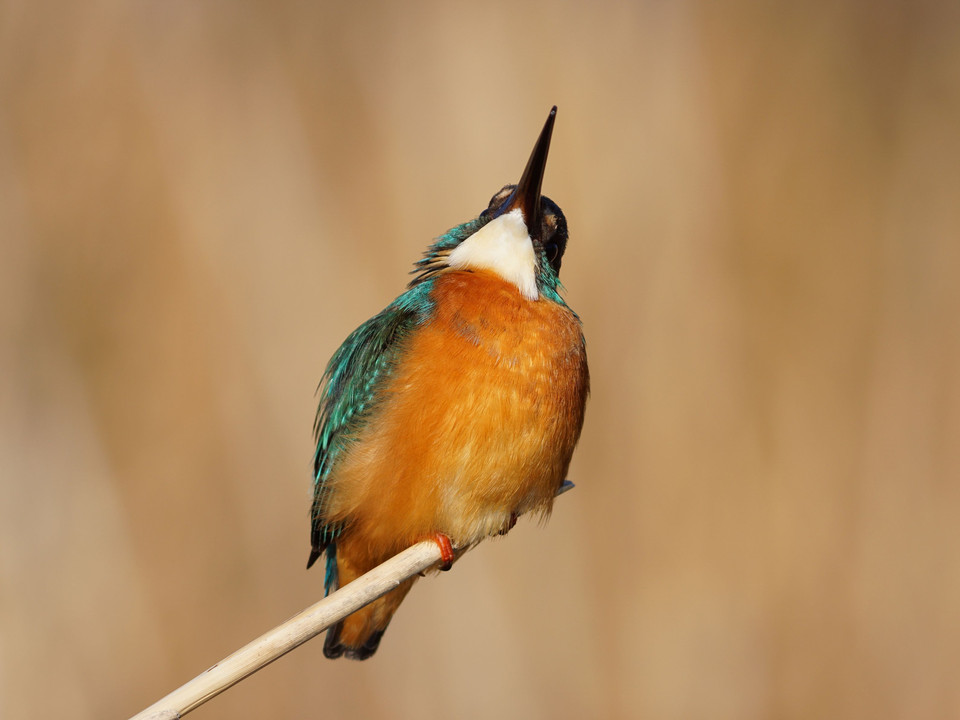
(358, 635)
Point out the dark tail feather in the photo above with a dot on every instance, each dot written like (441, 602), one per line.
(331, 583)
(331, 645)
(367, 649)
(333, 648)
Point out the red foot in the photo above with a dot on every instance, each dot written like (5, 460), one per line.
(446, 549)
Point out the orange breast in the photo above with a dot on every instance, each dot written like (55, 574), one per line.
(479, 420)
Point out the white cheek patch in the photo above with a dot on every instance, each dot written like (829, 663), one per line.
(504, 246)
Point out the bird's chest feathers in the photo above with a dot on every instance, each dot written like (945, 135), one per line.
(492, 393)
(486, 336)
(478, 420)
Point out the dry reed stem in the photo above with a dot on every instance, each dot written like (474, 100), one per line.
(297, 630)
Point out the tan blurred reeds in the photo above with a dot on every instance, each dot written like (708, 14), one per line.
(199, 201)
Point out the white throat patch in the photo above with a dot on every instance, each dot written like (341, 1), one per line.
(504, 246)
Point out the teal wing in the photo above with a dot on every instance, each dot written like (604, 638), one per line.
(348, 393)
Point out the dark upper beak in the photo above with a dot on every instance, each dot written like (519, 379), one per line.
(527, 195)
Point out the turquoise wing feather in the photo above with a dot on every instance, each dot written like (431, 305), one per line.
(348, 394)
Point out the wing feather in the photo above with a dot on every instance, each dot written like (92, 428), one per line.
(348, 394)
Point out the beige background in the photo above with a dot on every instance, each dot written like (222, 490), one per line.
(198, 201)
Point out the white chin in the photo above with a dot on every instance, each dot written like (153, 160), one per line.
(502, 246)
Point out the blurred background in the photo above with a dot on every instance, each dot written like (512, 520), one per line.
(199, 201)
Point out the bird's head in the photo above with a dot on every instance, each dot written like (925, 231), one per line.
(521, 236)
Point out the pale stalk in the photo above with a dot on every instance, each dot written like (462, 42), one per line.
(297, 630)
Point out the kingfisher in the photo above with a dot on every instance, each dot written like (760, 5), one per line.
(454, 410)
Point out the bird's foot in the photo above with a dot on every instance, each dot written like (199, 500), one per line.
(446, 549)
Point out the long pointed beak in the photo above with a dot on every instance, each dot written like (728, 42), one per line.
(527, 195)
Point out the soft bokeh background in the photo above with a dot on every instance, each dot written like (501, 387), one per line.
(198, 201)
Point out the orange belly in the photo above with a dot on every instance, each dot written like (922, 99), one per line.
(478, 421)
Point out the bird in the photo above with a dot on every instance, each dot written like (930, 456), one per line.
(454, 410)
